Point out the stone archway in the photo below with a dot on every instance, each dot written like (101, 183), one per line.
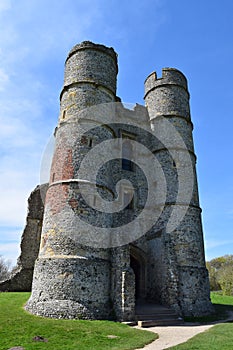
(138, 265)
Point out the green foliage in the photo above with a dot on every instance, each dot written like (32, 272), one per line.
(226, 279)
(221, 274)
(18, 328)
(214, 285)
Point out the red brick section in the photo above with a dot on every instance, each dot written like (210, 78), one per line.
(56, 197)
(62, 169)
(67, 166)
(62, 164)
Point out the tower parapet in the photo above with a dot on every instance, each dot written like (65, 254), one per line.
(93, 63)
(170, 94)
(169, 76)
(90, 78)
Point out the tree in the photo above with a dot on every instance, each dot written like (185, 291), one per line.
(4, 269)
(221, 274)
(214, 284)
(226, 279)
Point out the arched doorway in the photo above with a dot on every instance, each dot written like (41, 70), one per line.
(138, 264)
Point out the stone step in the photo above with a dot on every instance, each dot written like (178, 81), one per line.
(148, 315)
(155, 312)
(149, 307)
(159, 322)
(156, 316)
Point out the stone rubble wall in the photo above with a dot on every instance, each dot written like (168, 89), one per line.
(21, 277)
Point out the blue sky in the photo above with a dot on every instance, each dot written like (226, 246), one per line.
(193, 36)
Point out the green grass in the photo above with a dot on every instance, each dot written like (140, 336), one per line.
(219, 298)
(219, 337)
(18, 328)
(222, 304)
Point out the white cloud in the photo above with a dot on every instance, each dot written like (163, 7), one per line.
(10, 251)
(4, 79)
(9, 235)
(15, 134)
(5, 5)
(230, 212)
(211, 243)
(31, 33)
(13, 193)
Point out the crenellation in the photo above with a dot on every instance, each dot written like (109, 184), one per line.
(170, 76)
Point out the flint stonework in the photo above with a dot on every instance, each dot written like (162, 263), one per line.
(78, 279)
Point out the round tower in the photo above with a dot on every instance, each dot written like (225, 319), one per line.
(90, 78)
(71, 279)
(182, 279)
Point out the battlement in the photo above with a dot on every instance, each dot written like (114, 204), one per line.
(91, 63)
(170, 76)
(88, 45)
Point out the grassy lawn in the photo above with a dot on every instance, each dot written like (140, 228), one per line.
(222, 304)
(18, 328)
(219, 299)
(220, 337)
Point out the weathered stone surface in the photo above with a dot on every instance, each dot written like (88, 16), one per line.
(166, 264)
(21, 277)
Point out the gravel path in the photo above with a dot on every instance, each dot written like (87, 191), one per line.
(170, 336)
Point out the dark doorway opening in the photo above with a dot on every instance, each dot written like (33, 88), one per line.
(138, 265)
(134, 264)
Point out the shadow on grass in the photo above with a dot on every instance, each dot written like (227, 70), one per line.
(223, 313)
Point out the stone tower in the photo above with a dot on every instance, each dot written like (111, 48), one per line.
(165, 264)
(181, 240)
(72, 280)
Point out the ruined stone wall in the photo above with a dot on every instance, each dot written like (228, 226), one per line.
(21, 277)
